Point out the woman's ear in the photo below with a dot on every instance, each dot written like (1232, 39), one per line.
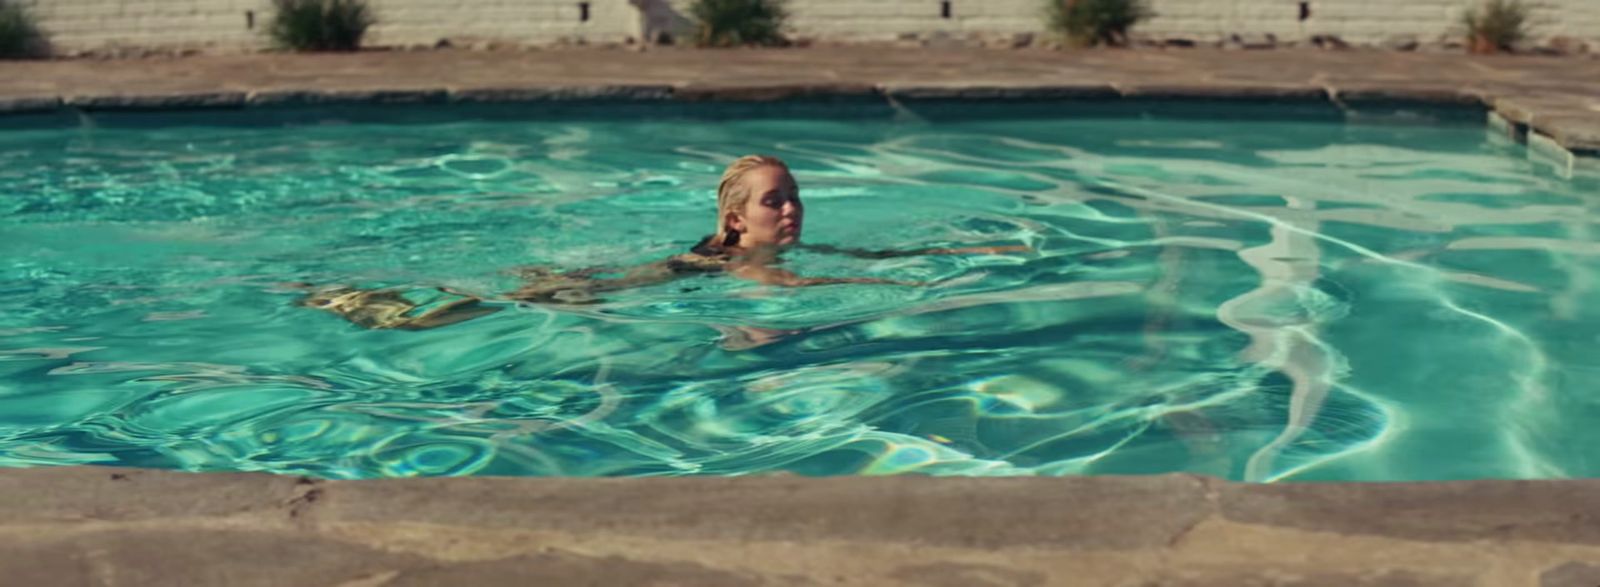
(733, 222)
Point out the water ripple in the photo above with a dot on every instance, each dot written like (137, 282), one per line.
(1257, 299)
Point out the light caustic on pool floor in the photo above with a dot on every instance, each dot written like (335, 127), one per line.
(1260, 300)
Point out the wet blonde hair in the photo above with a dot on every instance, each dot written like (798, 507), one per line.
(732, 193)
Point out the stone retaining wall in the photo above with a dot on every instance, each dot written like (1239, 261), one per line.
(239, 25)
(1356, 21)
(883, 20)
(222, 25)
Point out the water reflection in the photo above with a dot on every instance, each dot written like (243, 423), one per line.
(1255, 299)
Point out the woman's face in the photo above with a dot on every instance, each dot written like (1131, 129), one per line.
(772, 214)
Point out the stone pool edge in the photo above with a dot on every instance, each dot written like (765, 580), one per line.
(1527, 119)
(97, 525)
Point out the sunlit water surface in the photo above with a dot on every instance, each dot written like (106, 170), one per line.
(1250, 295)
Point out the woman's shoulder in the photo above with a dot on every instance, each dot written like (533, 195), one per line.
(703, 256)
(708, 247)
(693, 263)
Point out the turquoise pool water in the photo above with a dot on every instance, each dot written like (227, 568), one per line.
(1252, 293)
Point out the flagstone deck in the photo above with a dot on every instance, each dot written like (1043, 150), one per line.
(1556, 97)
(129, 527)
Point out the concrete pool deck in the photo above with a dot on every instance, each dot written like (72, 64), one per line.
(1558, 98)
(131, 527)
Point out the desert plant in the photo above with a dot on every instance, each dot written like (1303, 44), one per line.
(320, 25)
(19, 36)
(1496, 25)
(1096, 22)
(731, 23)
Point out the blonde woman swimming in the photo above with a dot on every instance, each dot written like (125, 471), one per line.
(759, 214)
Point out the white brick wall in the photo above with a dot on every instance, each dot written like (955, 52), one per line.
(83, 24)
(1355, 21)
(411, 22)
(868, 20)
(221, 24)
(888, 18)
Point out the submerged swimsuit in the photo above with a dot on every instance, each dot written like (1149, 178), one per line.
(577, 287)
(388, 309)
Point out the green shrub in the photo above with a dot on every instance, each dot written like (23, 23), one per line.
(320, 25)
(731, 23)
(19, 36)
(1096, 22)
(1497, 25)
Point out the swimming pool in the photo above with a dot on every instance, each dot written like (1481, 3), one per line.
(1249, 292)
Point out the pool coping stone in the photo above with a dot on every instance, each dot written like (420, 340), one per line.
(1556, 97)
(85, 524)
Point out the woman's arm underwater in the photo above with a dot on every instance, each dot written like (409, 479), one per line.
(889, 254)
(769, 275)
(388, 309)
